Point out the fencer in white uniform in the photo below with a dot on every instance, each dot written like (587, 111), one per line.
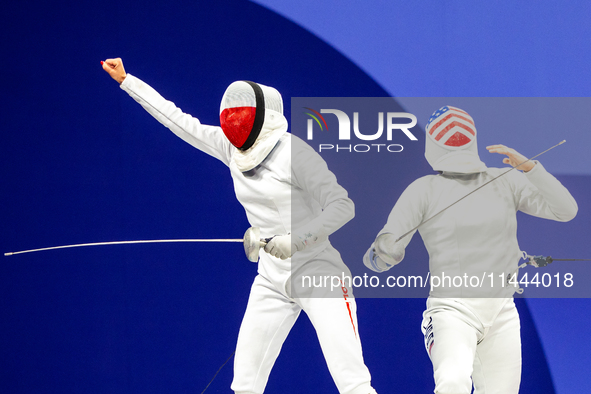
(471, 328)
(288, 192)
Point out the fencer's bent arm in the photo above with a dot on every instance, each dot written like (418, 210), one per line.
(209, 139)
(542, 195)
(408, 212)
(310, 172)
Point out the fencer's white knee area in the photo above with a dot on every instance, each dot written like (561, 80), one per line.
(452, 380)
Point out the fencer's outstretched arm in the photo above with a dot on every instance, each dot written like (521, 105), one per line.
(538, 193)
(209, 139)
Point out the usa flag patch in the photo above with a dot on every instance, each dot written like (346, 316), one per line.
(451, 128)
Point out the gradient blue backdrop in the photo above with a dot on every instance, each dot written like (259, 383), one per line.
(81, 162)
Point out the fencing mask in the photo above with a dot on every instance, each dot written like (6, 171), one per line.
(251, 116)
(451, 142)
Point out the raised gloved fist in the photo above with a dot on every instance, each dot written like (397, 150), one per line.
(280, 246)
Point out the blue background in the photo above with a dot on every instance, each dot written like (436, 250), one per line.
(82, 162)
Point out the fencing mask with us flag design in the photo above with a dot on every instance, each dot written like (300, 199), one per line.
(450, 144)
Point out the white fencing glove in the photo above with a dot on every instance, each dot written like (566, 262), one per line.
(284, 246)
(388, 249)
(280, 246)
(384, 253)
(372, 261)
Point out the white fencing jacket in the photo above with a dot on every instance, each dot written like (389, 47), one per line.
(477, 236)
(291, 190)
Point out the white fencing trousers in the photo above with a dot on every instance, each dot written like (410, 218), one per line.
(464, 352)
(269, 317)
